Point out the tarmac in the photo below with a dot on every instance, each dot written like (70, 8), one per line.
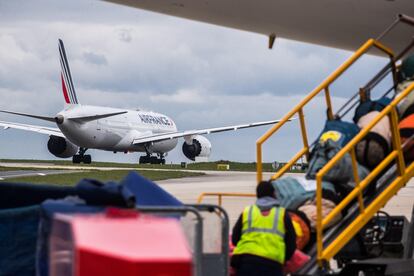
(188, 189)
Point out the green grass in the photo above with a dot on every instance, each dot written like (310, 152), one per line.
(74, 178)
(234, 166)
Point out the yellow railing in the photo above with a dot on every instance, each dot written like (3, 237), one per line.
(220, 195)
(324, 86)
(366, 212)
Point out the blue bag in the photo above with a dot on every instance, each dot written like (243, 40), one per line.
(367, 106)
(341, 172)
(338, 131)
(294, 191)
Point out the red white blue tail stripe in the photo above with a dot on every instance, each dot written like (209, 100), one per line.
(67, 83)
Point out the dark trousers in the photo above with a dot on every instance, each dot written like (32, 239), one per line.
(248, 269)
(249, 265)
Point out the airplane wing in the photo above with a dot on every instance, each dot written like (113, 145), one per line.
(340, 24)
(188, 134)
(49, 119)
(39, 129)
(84, 119)
(81, 119)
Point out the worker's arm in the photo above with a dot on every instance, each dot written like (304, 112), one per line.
(237, 231)
(290, 237)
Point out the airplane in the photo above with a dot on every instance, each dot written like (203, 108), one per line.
(344, 24)
(83, 127)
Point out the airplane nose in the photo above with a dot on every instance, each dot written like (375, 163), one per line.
(59, 119)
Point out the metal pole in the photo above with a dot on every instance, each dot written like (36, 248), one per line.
(410, 246)
(224, 230)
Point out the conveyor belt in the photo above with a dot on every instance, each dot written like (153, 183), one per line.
(312, 268)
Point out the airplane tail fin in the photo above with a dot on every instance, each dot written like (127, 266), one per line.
(67, 84)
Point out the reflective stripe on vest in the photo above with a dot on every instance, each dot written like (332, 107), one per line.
(263, 235)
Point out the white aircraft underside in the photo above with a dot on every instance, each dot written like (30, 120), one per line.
(342, 24)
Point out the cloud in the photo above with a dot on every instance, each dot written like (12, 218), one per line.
(94, 58)
(181, 97)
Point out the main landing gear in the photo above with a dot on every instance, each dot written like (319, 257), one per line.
(148, 159)
(82, 157)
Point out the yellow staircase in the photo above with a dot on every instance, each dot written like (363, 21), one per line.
(404, 171)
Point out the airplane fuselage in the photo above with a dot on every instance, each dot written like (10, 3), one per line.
(343, 24)
(116, 133)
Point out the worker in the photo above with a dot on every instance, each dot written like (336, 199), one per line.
(263, 235)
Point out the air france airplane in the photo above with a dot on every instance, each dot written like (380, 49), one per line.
(83, 127)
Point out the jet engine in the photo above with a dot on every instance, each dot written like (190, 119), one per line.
(199, 147)
(60, 147)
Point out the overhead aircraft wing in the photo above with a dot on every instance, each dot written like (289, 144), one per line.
(341, 24)
(189, 133)
(38, 129)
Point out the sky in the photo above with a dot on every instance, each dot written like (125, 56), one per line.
(199, 74)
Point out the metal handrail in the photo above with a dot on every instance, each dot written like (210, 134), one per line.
(366, 211)
(225, 223)
(223, 194)
(400, 18)
(324, 86)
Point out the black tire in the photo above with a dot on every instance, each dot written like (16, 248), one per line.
(87, 159)
(154, 160)
(76, 159)
(143, 160)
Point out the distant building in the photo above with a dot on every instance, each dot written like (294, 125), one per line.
(295, 167)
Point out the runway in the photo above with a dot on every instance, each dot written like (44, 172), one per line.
(48, 166)
(23, 173)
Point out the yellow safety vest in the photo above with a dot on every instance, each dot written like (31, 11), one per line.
(263, 235)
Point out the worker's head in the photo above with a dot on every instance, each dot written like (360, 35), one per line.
(265, 188)
(407, 68)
